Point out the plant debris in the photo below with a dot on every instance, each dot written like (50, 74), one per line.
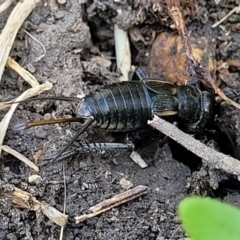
(113, 202)
(25, 200)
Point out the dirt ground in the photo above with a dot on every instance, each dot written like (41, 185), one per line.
(73, 34)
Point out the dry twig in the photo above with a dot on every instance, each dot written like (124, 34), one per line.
(211, 157)
(233, 63)
(113, 202)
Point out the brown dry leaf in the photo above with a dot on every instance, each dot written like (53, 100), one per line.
(192, 65)
(101, 61)
(224, 74)
(167, 57)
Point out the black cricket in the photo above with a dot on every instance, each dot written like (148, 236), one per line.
(128, 105)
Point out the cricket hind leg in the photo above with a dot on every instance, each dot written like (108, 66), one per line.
(95, 148)
(129, 141)
(89, 146)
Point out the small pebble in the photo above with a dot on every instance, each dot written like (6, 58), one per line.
(34, 179)
(125, 184)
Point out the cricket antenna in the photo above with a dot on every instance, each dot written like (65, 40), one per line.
(60, 98)
(26, 125)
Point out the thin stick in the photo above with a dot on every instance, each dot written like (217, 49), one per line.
(8, 35)
(210, 156)
(113, 202)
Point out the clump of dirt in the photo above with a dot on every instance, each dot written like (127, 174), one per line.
(80, 57)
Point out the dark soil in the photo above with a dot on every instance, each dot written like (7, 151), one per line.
(73, 34)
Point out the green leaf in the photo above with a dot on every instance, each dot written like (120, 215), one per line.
(209, 219)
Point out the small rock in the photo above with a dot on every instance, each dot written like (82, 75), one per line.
(34, 179)
(125, 184)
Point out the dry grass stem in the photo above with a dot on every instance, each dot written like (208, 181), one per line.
(65, 202)
(27, 76)
(27, 94)
(7, 37)
(4, 6)
(44, 49)
(15, 20)
(123, 52)
(211, 157)
(20, 157)
(113, 202)
(25, 200)
(235, 10)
